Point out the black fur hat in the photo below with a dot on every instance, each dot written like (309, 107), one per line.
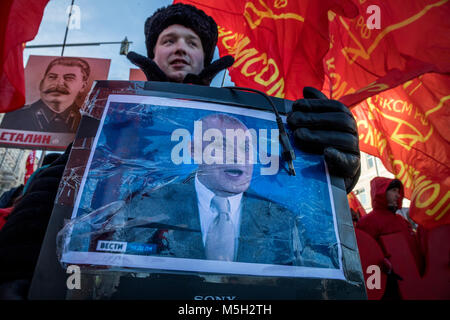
(186, 15)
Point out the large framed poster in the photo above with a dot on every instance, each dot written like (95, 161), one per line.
(188, 181)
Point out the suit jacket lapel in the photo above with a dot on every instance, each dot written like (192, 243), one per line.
(248, 233)
(187, 244)
(258, 240)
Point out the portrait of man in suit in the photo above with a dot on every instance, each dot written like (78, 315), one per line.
(213, 213)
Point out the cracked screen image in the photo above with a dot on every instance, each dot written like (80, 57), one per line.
(191, 186)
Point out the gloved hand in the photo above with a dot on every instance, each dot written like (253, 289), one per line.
(154, 73)
(327, 127)
(148, 66)
(386, 267)
(207, 74)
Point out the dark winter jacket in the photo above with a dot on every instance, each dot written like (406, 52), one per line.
(22, 235)
(8, 197)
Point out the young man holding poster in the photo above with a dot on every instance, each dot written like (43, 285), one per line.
(180, 43)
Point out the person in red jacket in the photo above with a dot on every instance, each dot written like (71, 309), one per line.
(387, 197)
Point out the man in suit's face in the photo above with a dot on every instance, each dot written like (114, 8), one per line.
(227, 179)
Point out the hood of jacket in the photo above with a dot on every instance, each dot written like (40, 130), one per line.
(378, 188)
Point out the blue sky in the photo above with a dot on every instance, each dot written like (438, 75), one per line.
(100, 21)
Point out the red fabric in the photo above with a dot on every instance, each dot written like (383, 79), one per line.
(19, 23)
(278, 46)
(396, 79)
(29, 167)
(4, 213)
(137, 75)
(434, 282)
(407, 128)
(362, 62)
(404, 78)
(355, 205)
(378, 189)
(371, 254)
(381, 221)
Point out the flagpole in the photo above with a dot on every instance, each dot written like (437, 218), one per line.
(62, 54)
(224, 74)
(41, 159)
(376, 166)
(67, 28)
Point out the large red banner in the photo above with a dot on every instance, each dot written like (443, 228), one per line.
(407, 42)
(19, 23)
(397, 75)
(407, 128)
(385, 60)
(278, 46)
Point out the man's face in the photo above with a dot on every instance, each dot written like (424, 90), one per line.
(392, 196)
(179, 51)
(60, 87)
(226, 179)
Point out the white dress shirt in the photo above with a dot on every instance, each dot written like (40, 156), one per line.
(207, 214)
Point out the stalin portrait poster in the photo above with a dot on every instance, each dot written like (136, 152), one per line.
(55, 90)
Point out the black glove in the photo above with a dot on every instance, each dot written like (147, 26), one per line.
(327, 127)
(148, 66)
(154, 73)
(205, 77)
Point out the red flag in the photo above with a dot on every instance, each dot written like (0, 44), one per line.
(407, 128)
(355, 205)
(29, 167)
(137, 75)
(19, 23)
(278, 46)
(407, 125)
(362, 62)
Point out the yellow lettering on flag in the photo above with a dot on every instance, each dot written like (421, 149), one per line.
(266, 12)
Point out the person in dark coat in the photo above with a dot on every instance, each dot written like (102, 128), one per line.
(8, 197)
(183, 54)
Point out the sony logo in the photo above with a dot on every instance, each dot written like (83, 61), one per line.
(214, 297)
